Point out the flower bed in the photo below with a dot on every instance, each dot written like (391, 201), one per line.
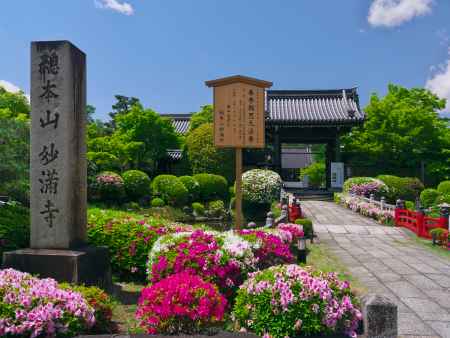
(288, 301)
(32, 307)
(357, 204)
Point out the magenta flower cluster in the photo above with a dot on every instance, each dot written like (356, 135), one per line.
(308, 302)
(198, 254)
(273, 250)
(180, 303)
(33, 307)
(290, 232)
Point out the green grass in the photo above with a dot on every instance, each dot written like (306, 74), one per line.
(321, 258)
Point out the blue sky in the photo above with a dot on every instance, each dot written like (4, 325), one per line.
(162, 51)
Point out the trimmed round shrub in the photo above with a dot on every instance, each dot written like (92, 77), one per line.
(102, 304)
(192, 186)
(170, 189)
(137, 184)
(158, 202)
(216, 208)
(410, 205)
(307, 226)
(261, 186)
(199, 208)
(180, 304)
(289, 301)
(212, 187)
(109, 186)
(33, 307)
(406, 188)
(443, 199)
(444, 187)
(428, 197)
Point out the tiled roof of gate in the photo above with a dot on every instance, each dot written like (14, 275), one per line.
(181, 122)
(308, 107)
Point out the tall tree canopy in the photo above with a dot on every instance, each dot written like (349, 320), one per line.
(401, 130)
(205, 115)
(14, 104)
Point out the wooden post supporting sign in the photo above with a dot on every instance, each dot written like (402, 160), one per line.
(239, 120)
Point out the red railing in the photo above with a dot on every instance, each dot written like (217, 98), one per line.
(418, 223)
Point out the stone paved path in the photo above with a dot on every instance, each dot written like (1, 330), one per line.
(388, 262)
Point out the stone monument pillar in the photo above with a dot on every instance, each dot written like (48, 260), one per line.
(58, 171)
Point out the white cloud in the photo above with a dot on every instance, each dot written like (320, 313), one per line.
(9, 86)
(439, 83)
(391, 13)
(115, 5)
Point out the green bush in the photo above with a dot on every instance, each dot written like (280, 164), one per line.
(443, 199)
(109, 186)
(444, 187)
(137, 184)
(216, 208)
(14, 228)
(104, 161)
(410, 205)
(255, 212)
(307, 226)
(170, 189)
(158, 202)
(406, 188)
(316, 174)
(428, 197)
(212, 187)
(128, 237)
(102, 304)
(131, 206)
(192, 186)
(199, 208)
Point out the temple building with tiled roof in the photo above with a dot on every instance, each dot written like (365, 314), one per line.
(302, 117)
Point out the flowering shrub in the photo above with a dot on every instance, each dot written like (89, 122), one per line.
(181, 303)
(102, 304)
(269, 248)
(375, 187)
(288, 301)
(109, 186)
(32, 307)
(261, 186)
(128, 238)
(367, 209)
(222, 258)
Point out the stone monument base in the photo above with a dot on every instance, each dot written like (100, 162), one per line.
(86, 265)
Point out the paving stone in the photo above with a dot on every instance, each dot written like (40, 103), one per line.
(410, 324)
(422, 282)
(389, 277)
(336, 229)
(422, 305)
(441, 327)
(404, 289)
(423, 268)
(377, 267)
(442, 280)
(440, 297)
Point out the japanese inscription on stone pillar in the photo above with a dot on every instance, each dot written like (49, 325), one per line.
(58, 150)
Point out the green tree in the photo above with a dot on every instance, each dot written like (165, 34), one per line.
(14, 105)
(204, 157)
(316, 174)
(122, 106)
(205, 115)
(401, 130)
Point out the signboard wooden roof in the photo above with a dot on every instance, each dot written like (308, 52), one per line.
(239, 113)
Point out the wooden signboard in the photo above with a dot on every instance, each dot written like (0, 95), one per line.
(239, 120)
